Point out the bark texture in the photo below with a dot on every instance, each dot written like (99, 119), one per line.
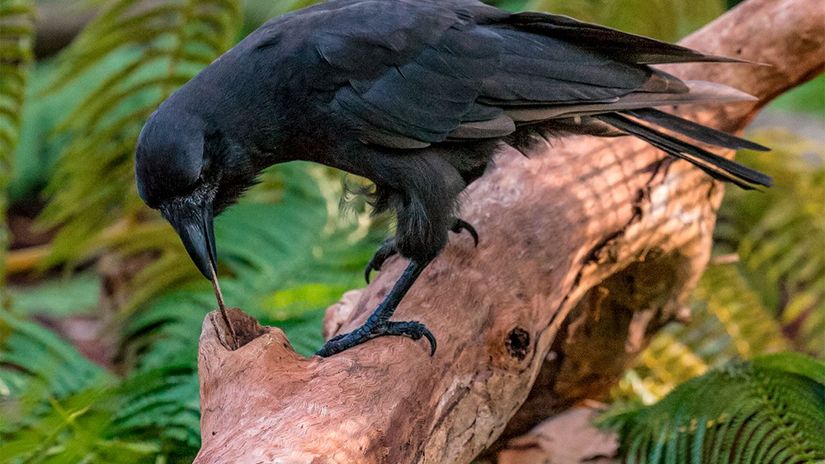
(586, 250)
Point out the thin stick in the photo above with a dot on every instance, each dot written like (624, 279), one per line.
(219, 296)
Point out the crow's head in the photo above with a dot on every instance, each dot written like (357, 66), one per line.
(174, 175)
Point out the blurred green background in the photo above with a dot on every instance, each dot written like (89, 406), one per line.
(102, 309)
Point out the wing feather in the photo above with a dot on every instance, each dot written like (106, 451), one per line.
(410, 73)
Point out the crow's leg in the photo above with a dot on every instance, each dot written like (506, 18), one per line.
(388, 249)
(379, 324)
(422, 190)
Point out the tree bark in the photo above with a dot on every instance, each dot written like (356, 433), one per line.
(586, 250)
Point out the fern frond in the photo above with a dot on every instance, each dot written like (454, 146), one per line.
(771, 409)
(780, 237)
(48, 395)
(74, 430)
(163, 401)
(751, 326)
(32, 354)
(16, 37)
(664, 364)
(56, 406)
(148, 50)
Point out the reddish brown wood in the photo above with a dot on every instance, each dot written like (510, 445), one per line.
(585, 251)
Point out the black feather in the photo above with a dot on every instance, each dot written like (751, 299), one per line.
(616, 44)
(715, 165)
(693, 130)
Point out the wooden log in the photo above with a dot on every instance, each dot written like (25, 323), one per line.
(586, 250)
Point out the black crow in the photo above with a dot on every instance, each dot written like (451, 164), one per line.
(417, 96)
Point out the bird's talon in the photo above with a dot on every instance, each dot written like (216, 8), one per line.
(367, 271)
(462, 225)
(414, 330)
(384, 252)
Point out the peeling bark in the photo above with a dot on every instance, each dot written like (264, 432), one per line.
(586, 250)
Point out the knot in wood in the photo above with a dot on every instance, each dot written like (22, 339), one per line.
(518, 343)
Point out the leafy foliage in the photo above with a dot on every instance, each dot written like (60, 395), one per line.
(147, 51)
(48, 394)
(59, 407)
(16, 35)
(782, 251)
(771, 409)
(59, 297)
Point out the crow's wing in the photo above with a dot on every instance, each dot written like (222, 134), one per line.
(408, 74)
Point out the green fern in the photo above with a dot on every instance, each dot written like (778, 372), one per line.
(48, 390)
(148, 50)
(771, 409)
(56, 406)
(783, 251)
(16, 36)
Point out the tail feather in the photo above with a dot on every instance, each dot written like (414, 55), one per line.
(693, 130)
(716, 166)
(632, 113)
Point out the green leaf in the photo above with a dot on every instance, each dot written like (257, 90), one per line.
(773, 407)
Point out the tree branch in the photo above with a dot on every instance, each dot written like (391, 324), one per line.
(586, 250)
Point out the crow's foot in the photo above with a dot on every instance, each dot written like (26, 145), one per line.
(462, 225)
(387, 248)
(384, 252)
(412, 329)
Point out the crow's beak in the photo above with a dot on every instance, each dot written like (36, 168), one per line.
(197, 234)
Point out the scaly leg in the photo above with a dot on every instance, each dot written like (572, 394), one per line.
(379, 325)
